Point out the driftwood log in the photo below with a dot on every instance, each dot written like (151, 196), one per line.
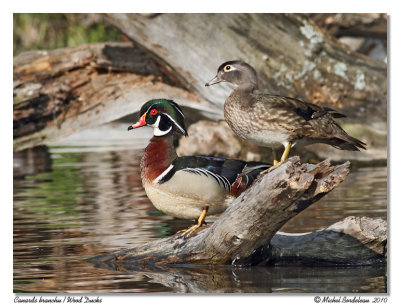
(353, 241)
(61, 92)
(57, 93)
(242, 234)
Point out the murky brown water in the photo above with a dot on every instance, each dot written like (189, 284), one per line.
(88, 200)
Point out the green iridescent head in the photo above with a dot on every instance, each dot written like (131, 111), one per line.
(163, 115)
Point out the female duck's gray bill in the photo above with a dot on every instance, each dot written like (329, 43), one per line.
(215, 80)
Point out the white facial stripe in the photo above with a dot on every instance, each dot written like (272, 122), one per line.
(148, 109)
(179, 127)
(180, 112)
(160, 177)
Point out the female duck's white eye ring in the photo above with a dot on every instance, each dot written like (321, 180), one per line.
(227, 68)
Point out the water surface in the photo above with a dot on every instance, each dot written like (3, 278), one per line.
(75, 201)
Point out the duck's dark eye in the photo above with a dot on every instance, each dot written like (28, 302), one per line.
(227, 68)
(153, 112)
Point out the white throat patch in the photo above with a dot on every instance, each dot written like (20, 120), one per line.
(157, 131)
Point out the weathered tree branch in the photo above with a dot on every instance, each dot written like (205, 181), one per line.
(242, 234)
(60, 92)
(353, 241)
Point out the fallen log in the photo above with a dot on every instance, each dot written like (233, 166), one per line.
(60, 92)
(353, 241)
(242, 234)
(292, 56)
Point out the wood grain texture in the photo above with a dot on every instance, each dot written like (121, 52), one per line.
(352, 241)
(335, 254)
(291, 54)
(60, 92)
(246, 233)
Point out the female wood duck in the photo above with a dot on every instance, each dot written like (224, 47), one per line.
(271, 121)
(187, 187)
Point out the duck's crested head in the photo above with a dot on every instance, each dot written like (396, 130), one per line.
(163, 115)
(236, 72)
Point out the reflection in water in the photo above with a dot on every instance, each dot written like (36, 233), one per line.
(363, 193)
(91, 203)
(258, 279)
(31, 161)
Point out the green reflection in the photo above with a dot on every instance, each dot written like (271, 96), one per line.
(53, 194)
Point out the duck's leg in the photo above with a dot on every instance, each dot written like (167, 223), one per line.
(283, 158)
(200, 222)
(274, 155)
(285, 153)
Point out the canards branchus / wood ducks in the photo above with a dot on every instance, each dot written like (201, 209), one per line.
(187, 187)
(271, 120)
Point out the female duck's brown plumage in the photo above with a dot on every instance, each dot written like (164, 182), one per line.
(271, 120)
(187, 187)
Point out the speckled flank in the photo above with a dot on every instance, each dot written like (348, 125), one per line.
(273, 121)
(263, 125)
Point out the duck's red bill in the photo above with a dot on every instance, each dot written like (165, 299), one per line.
(141, 122)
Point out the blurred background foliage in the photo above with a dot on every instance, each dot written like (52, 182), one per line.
(45, 31)
(364, 33)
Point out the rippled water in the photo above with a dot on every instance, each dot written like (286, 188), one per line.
(88, 200)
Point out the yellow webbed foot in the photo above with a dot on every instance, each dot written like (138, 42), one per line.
(283, 158)
(285, 153)
(186, 233)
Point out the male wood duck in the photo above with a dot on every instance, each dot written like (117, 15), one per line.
(272, 121)
(187, 187)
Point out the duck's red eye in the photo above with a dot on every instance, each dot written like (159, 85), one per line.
(153, 112)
